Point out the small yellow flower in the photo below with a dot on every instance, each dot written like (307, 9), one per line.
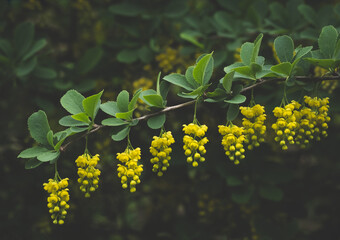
(57, 200)
(129, 171)
(232, 141)
(194, 142)
(160, 150)
(88, 173)
(253, 124)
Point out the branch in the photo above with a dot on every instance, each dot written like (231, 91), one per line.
(171, 108)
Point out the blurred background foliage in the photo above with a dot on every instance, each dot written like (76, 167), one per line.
(48, 47)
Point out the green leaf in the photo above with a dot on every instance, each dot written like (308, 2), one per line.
(110, 108)
(183, 95)
(91, 104)
(113, 122)
(154, 100)
(23, 37)
(123, 101)
(191, 37)
(46, 73)
(308, 13)
(48, 156)
(49, 137)
(157, 87)
(156, 122)
(37, 46)
(127, 56)
(228, 81)
(233, 111)
(125, 115)
(327, 41)
(233, 180)
(336, 54)
(282, 68)
(133, 122)
(32, 152)
(204, 69)
(120, 133)
(5, 47)
(246, 52)
(255, 67)
(26, 67)
(284, 47)
(78, 129)
(218, 94)
(61, 137)
(164, 89)
(134, 99)
(32, 163)
(39, 127)
(68, 121)
(302, 52)
(190, 77)
(256, 49)
(198, 91)
(271, 193)
(72, 102)
(82, 117)
(179, 80)
(324, 63)
(90, 59)
(237, 99)
(245, 72)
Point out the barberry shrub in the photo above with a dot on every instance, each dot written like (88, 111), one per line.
(298, 121)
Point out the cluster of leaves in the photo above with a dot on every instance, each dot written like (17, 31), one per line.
(196, 80)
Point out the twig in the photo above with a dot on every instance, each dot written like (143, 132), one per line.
(259, 82)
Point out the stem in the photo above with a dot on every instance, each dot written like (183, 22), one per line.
(195, 110)
(171, 108)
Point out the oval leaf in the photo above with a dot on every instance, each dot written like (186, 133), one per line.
(120, 133)
(154, 100)
(32, 163)
(237, 99)
(32, 152)
(48, 156)
(110, 108)
(156, 122)
(72, 102)
(113, 122)
(39, 127)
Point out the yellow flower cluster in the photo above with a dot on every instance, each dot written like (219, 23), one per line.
(286, 124)
(253, 124)
(57, 201)
(88, 173)
(194, 142)
(232, 141)
(312, 120)
(129, 171)
(160, 149)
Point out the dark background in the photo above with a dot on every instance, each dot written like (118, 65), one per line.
(270, 195)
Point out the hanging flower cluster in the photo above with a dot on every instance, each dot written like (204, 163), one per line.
(129, 171)
(253, 125)
(57, 201)
(286, 125)
(312, 118)
(88, 173)
(160, 149)
(233, 141)
(194, 142)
